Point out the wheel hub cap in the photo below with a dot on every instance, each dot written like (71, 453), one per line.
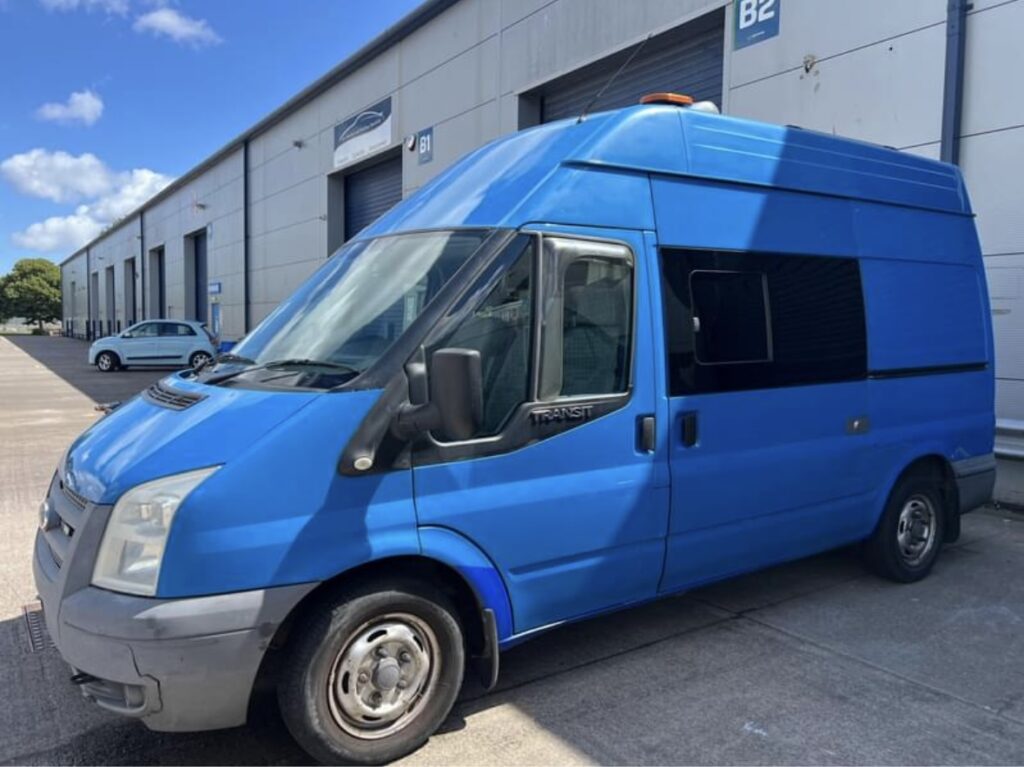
(383, 676)
(915, 532)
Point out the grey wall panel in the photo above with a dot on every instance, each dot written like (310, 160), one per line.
(889, 92)
(993, 165)
(826, 28)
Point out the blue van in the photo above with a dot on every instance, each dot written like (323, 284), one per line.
(591, 364)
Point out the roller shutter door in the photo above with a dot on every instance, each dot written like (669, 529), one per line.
(687, 59)
(370, 193)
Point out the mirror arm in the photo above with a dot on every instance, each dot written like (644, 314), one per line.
(413, 420)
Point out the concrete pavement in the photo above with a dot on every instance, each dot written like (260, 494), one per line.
(814, 662)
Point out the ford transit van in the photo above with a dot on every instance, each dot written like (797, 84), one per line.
(589, 365)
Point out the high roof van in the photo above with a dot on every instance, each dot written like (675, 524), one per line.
(591, 364)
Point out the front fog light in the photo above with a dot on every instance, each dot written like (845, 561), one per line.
(133, 544)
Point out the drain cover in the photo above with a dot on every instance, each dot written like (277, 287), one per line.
(38, 636)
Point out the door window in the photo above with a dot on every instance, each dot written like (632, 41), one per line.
(500, 328)
(596, 326)
(730, 317)
(149, 330)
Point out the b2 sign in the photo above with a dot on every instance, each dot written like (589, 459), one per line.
(756, 20)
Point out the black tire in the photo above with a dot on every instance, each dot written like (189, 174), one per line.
(327, 632)
(197, 359)
(886, 552)
(107, 362)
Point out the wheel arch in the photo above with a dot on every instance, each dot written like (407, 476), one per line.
(446, 560)
(936, 465)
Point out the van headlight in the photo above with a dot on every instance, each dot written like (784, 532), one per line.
(133, 544)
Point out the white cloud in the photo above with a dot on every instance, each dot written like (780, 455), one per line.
(59, 233)
(177, 26)
(57, 176)
(119, 7)
(82, 106)
(62, 177)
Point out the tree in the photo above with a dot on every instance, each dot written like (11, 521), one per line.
(32, 290)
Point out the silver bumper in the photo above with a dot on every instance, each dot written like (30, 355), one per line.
(178, 664)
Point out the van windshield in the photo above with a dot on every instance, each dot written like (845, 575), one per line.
(354, 308)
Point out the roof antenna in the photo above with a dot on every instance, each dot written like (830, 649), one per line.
(613, 78)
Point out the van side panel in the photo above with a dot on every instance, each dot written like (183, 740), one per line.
(923, 315)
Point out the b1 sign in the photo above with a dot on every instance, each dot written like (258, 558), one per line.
(756, 20)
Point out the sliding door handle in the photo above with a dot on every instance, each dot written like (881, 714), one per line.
(690, 433)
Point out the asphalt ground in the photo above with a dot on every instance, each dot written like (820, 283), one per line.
(813, 662)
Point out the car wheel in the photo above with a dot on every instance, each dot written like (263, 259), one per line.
(199, 360)
(909, 535)
(106, 362)
(370, 674)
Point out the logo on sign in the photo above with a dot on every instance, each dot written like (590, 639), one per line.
(363, 133)
(756, 20)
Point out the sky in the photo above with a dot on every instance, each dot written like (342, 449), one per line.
(105, 102)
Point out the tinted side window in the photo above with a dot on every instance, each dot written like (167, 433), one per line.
(737, 321)
(500, 329)
(177, 329)
(149, 330)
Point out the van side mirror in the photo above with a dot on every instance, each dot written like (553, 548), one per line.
(456, 390)
(456, 403)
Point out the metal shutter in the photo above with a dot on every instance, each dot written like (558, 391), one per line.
(371, 193)
(687, 59)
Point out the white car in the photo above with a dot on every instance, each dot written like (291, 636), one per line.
(154, 342)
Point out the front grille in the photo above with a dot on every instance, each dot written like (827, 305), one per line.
(164, 396)
(72, 496)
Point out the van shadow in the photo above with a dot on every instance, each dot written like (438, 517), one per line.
(68, 359)
(563, 656)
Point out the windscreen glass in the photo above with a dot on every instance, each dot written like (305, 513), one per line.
(347, 315)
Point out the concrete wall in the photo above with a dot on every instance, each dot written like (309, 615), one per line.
(212, 203)
(75, 295)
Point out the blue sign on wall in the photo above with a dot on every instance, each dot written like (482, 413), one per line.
(756, 20)
(425, 145)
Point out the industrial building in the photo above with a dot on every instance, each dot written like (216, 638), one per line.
(235, 235)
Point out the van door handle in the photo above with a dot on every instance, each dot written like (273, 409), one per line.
(690, 428)
(647, 435)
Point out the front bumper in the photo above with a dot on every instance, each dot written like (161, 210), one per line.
(177, 664)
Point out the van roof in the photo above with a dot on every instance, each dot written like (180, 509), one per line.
(491, 186)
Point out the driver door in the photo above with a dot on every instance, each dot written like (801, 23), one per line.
(563, 487)
(142, 348)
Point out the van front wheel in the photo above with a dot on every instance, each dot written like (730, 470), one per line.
(370, 673)
(908, 538)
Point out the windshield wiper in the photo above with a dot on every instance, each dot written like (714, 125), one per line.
(285, 363)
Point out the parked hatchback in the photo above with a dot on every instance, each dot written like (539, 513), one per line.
(154, 342)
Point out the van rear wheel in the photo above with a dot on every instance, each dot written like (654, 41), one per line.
(369, 674)
(909, 536)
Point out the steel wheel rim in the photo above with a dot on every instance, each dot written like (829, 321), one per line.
(915, 530)
(383, 677)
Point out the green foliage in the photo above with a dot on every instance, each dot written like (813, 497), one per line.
(31, 290)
